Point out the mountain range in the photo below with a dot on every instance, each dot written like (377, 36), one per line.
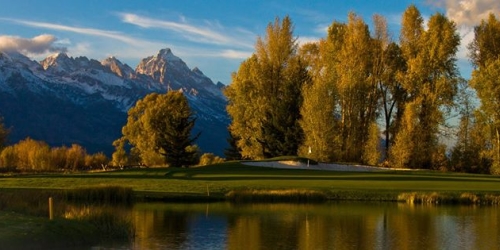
(64, 100)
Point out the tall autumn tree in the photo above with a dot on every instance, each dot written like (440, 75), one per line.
(431, 80)
(358, 95)
(340, 107)
(320, 106)
(485, 56)
(245, 108)
(159, 126)
(264, 98)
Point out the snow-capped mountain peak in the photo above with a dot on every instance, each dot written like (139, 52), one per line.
(57, 62)
(158, 66)
(16, 59)
(117, 67)
(167, 55)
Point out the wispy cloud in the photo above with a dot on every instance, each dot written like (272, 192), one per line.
(134, 47)
(36, 45)
(86, 31)
(233, 54)
(210, 33)
(228, 45)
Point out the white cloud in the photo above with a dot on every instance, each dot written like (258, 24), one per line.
(86, 31)
(233, 54)
(115, 35)
(82, 48)
(469, 12)
(37, 45)
(212, 33)
(307, 39)
(467, 36)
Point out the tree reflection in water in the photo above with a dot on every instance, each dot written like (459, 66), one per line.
(326, 226)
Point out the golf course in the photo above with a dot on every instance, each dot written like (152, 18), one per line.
(232, 180)
(23, 196)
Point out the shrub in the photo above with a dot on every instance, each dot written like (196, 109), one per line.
(98, 160)
(209, 159)
(8, 158)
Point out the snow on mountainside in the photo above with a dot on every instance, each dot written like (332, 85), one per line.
(64, 100)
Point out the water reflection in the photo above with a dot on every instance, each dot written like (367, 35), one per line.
(327, 226)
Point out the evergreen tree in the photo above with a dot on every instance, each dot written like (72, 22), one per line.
(4, 133)
(160, 125)
(232, 152)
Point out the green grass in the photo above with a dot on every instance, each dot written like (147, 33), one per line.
(217, 180)
(22, 231)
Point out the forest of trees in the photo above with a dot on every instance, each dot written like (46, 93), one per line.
(357, 95)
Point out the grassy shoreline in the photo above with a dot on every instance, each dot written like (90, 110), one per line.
(216, 182)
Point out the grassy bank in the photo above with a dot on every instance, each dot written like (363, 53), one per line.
(22, 231)
(216, 181)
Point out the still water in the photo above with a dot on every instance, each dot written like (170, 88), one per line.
(323, 226)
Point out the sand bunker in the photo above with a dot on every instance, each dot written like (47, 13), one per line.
(319, 166)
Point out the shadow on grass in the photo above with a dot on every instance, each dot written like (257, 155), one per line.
(236, 172)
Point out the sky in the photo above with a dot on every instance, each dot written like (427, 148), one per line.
(213, 35)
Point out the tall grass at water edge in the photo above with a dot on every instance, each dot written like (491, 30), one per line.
(449, 198)
(88, 214)
(101, 195)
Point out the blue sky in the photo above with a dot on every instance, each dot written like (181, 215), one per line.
(215, 36)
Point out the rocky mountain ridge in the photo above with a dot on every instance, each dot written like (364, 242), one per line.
(64, 100)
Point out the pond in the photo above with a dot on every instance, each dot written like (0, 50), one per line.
(312, 226)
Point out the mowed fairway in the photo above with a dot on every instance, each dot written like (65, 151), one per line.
(217, 180)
